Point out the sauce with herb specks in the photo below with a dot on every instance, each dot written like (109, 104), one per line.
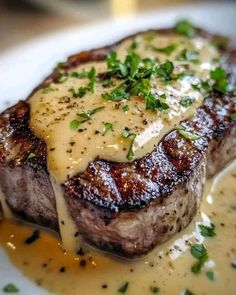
(166, 270)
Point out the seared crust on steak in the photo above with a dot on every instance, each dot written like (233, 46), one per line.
(125, 208)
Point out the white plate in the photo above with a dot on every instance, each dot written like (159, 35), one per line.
(22, 68)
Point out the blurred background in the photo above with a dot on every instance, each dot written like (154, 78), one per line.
(21, 20)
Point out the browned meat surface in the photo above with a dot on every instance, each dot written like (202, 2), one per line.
(123, 208)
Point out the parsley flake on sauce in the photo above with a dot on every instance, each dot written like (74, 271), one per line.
(210, 275)
(167, 50)
(107, 127)
(219, 76)
(63, 78)
(200, 253)
(48, 89)
(126, 134)
(185, 102)
(184, 27)
(78, 92)
(10, 288)
(207, 231)
(83, 117)
(123, 288)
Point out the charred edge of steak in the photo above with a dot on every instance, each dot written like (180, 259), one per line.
(24, 181)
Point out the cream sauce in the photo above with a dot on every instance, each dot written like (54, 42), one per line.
(167, 267)
(70, 151)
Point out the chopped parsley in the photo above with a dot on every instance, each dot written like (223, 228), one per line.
(123, 288)
(233, 116)
(83, 117)
(200, 253)
(184, 27)
(127, 133)
(10, 288)
(167, 50)
(74, 124)
(63, 78)
(117, 94)
(210, 275)
(78, 92)
(79, 75)
(134, 45)
(136, 74)
(188, 55)
(207, 231)
(107, 83)
(185, 101)
(107, 127)
(35, 236)
(125, 108)
(205, 85)
(92, 79)
(48, 89)
(219, 76)
(31, 156)
(154, 289)
(187, 134)
(165, 70)
(61, 64)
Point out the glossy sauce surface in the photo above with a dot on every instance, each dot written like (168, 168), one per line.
(69, 151)
(167, 267)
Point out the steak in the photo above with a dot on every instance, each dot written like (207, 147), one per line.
(124, 208)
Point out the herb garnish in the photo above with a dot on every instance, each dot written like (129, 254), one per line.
(10, 288)
(207, 231)
(63, 78)
(233, 116)
(107, 127)
(92, 79)
(123, 288)
(127, 133)
(210, 275)
(135, 43)
(125, 108)
(188, 55)
(167, 50)
(35, 235)
(200, 253)
(220, 78)
(78, 92)
(184, 27)
(185, 101)
(79, 75)
(136, 74)
(187, 134)
(117, 94)
(83, 117)
(154, 289)
(31, 155)
(48, 89)
(107, 83)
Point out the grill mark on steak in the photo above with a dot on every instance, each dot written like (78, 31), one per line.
(126, 208)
